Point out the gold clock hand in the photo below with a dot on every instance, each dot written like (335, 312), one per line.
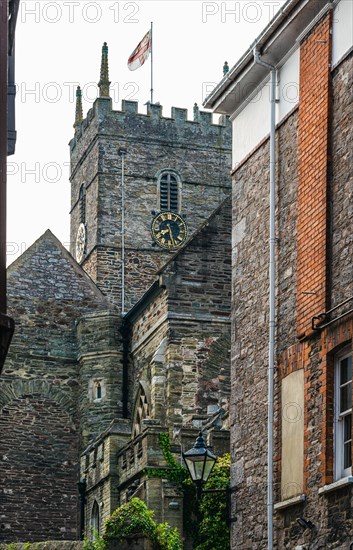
(171, 235)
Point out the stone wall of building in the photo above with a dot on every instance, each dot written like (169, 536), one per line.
(198, 281)
(148, 346)
(39, 447)
(40, 420)
(178, 338)
(330, 512)
(342, 176)
(314, 355)
(99, 469)
(250, 319)
(100, 354)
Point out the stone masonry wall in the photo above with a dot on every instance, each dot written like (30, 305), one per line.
(148, 332)
(47, 294)
(178, 338)
(104, 266)
(199, 284)
(100, 363)
(342, 184)
(250, 320)
(330, 512)
(39, 471)
(99, 468)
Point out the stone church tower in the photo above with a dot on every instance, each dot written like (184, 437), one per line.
(169, 164)
(128, 336)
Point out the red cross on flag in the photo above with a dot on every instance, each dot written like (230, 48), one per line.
(140, 53)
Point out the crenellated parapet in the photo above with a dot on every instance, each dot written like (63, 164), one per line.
(107, 120)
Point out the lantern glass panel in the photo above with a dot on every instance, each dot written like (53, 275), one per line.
(210, 462)
(195, 466)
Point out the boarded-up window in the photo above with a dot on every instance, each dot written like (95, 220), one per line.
(292, 435)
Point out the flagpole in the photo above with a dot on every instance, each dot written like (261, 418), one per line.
(151, 62)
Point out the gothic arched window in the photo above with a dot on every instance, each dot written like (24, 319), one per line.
(95, 520)
(141, 411)
(169, 191)
(82, 203)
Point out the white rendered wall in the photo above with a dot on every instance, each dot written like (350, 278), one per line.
(288, 85)
(342, 30)
(252, 124)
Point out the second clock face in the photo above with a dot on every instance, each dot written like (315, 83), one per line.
(169, 230)
(80, 243)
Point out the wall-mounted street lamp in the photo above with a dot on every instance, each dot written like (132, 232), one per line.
(200, 462)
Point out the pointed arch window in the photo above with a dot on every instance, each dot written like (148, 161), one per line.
(169, 191)
(141, 411)
(82, 203)
(95, 519)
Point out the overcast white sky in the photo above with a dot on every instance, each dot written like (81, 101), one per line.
(58, 45)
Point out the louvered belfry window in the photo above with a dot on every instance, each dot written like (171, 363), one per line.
(169, 192)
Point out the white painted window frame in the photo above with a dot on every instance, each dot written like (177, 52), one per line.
(338, 425)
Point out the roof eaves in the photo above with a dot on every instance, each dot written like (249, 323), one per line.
(246, 62)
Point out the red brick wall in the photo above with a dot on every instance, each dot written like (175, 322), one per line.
(313, 149)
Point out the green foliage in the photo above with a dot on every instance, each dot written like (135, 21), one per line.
(206, 524)
(129, 519)
(213, 532)
(96, 543)
(175, 472)
(167, 538)
(134, 518)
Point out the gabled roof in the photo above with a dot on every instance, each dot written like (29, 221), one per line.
(50, 243)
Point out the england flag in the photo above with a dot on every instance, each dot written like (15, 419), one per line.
(140, 53)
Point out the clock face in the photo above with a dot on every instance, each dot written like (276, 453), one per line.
(169, 230)
(80, 242)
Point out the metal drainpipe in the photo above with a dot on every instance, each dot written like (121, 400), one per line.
(272, 271)
(122, 153)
